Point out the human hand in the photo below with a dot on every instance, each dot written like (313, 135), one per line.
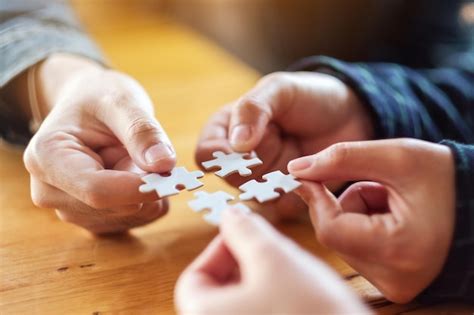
(250, 268)
(285, 116)
(87, 157)
(395, 226)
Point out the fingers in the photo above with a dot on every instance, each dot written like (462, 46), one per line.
(250, 238)
(379, 161)
(350, 233)
(215, 266)
(252, 113)
(365, 197)
(97, 221)
(214, 136)
(85, 178)
(130, 117)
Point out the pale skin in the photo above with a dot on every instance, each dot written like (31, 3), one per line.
(235, 274)
(286, 116)
(99, 135)
(100, 126)
(395, 225)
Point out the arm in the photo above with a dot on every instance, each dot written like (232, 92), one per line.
(31, 31)
(432, 104)
(99, 120)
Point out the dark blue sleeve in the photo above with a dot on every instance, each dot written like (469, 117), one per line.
(432, 105)
(436, 105)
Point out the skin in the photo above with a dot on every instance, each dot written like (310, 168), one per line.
(286, 116)
(99, 135)
(395, 224)
(235, 274)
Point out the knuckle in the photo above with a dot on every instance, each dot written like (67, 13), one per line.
(265, 250)
(324, 236)
(405, 154)
(398, 293)
(93, 197)
(29, 159)
(40, 199)
(141, 126)
(279, 77)
(338, 153)
(249, 105)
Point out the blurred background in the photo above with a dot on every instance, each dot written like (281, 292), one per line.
(269, 35)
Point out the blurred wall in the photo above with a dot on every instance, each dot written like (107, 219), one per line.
(271, 34)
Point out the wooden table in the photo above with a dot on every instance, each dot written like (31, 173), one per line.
(50, 267)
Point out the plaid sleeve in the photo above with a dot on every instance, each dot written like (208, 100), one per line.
(456, 281)
(432, 105)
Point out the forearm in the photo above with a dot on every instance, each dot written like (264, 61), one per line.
(33, 31)
(47, 79)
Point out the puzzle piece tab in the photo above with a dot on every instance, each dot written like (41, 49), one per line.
(216, 202)
(265, 191)
(232, 163)
(167, 185)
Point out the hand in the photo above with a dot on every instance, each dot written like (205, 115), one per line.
(396, 230)
(250, 268)
(285, 116)
(87, 156)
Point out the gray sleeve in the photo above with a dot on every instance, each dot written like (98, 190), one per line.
(30, 30)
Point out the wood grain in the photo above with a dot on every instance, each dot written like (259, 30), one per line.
(50, 267)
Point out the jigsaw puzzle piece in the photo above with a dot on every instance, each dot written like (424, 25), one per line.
(215, 202)
(285, 182)
(266, 191)
(260, 191)
(167, 185)
(232, 163)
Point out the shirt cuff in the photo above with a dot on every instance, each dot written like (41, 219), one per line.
(24, 44)
(393, 116)
(456, 280)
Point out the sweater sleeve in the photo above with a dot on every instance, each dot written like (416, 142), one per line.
(30, 30)
(436, 105)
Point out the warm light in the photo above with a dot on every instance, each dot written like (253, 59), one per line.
(467, 13)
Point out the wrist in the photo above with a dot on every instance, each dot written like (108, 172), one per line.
(53, 75)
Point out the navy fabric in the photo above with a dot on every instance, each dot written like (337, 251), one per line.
(435, 105)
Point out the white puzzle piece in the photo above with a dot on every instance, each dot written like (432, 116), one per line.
(167, 185)
(265, 191)
(215, 202)
(232, 163)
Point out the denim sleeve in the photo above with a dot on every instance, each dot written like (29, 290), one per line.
(30, 30)
(436, 105)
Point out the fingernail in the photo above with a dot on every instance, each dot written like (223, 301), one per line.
(299, 164)
(158, 152)
(240, 134)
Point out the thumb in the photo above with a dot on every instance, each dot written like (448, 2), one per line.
(252, 113)
(248, 235)
(142, 135)
(349, 233)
